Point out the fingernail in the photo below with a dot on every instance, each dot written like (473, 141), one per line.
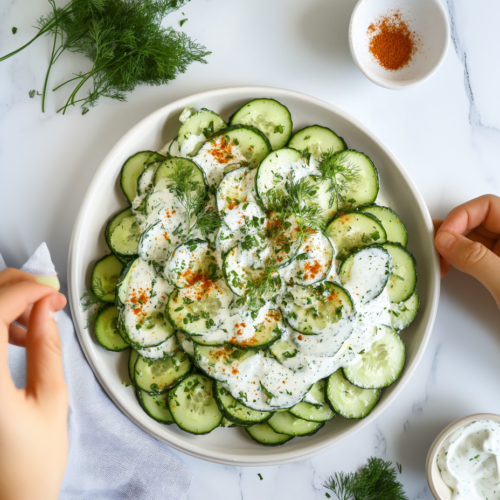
(446, 240)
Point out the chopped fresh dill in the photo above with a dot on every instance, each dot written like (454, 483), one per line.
(375, 481)
(207, 222)
(14, 30)
(341, 173)
(125, 41)
(260, 476)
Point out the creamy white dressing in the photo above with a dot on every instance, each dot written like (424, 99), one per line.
(190, 143)
(469, 461)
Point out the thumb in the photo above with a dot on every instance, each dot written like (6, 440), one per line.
(472, 258)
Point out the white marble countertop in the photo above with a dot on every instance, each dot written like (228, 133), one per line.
(446, 132)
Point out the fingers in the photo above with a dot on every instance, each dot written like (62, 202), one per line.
(472, 258)
(44, 378)
(10, 276)
(437, 224)
(484, 211)
(17, 335)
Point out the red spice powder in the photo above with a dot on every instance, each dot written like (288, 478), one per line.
(392, 43)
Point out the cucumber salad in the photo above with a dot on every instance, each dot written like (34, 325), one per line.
(254, 280)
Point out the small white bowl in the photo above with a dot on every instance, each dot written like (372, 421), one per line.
(438, 487)
(427, 18)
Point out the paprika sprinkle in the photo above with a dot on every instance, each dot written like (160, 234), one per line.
(392, 43)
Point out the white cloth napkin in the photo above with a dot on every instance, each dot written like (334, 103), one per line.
(109, 457)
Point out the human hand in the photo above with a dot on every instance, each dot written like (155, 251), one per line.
(33, 421)
(469, 239)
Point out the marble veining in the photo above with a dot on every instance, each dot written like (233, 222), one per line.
(445, 132)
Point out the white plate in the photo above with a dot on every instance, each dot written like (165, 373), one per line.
(104, 197)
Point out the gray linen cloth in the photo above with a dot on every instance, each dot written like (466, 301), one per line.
(109, 457)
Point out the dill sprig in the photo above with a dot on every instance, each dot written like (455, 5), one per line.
(341, 173)
(377, 480)
(207, 222)
(90, 302)
(265, 284)
(124, 40)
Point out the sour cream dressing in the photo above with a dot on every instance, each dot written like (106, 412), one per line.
(469, 461)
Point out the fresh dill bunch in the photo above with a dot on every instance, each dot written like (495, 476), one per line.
(124, 40)
(341, 173)
(90, 302)
(377, 480)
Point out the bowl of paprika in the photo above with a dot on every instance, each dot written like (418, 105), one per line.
(398, 43)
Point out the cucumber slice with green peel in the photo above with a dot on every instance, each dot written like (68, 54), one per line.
(235, 188)
(403, 278)
(403, 314)
(162, 351)
(199, 127)
(124, 282)
(226, 423)
(193, 406)
(199, 309)
(132, 359)
(159, 376)
(354, 230)
(382, 365)
(264, 434)
(393, 225)
(313, 260)
(185, 343)
(312, 413)
(155, 406)
(361, 190)
(275, 170)
(132, 169)
(317, 140)
(253, 144)
(283, 350)
(286, 423)
(105, 277)
(348, 400)
(269, 116)
(285, 237)
(122, 234)
(325, 197)
(243, 270)
(173, 148)
(316, 396)
(145, 184)
(170, 170)
(156, 245)
(191, 262)
(366, 272)
(106, 330)
(234, 411)
(311, 309)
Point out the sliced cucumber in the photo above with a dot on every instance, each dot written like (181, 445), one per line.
(382, 365)
(317, 140)
(234, 411)
(173, 148)
(361, 190)
(199, 127)
(122, 234)
(283, 350)
(185, 343)
(199, 308)
(191, 262)
(275, 170)
(124, 282)
(354, 230)
(366, 272)
(226, 423)
(312, 413)
(264, 434)
(193, 406)
(212, 359)
(145, 184)
(393, 225)
(269, 116)
(403, 278)
(313, 260)
(286, 423)
(156, 245)
(285, 237)
(235, 188)
(325, 198)
(311, 309)
(155, 406)
(132, 169)
(403, 314)
(162, 351)
(253, 144)
(348, 400)
(132, 359)
(106, 330)
(105, 277)
(159, 376)
(316, 396)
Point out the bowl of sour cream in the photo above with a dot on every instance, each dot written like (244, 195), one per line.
(464, 460)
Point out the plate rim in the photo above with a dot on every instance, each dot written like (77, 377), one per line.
(191, 448)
